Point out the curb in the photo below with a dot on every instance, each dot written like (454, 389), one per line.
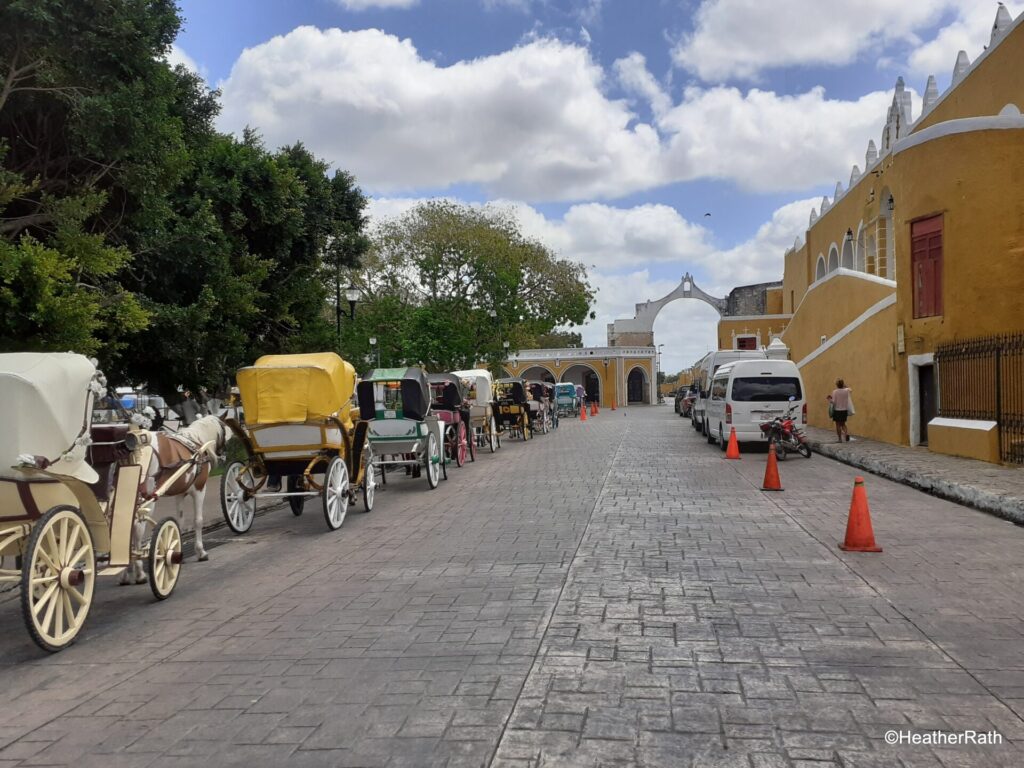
(1009, 508)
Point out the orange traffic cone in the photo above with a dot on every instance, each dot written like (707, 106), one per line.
(860, 536)
(733, 451)
(771, 472)
(593, 409)
(597, 409)
(613, 405)
(583, 412)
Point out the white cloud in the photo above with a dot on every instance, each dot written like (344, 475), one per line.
(622, 246)
(970, 31)
(743, 38)
(532, 123)
(362, 5)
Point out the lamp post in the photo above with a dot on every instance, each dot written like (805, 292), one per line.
(373, 346)
(657, 374)
(605, 382)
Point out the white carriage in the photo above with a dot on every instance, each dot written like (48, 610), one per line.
(480, 395)
(70, 495)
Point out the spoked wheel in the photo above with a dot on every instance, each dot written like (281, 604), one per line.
(58, 578)
(432, 459)
(460, 445)
(493, 441)
(165, 556)
(239, 511)
(335, 493)
(369, 486)
(471, 444)
(295, 485)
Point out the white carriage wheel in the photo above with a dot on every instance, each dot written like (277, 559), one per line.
(335, 493)
(239, 512)
(165, 556)
(433, 462)
(492, 435)
(58, 578)
(369, 486)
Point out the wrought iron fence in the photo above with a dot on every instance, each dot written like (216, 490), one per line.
(984, 379)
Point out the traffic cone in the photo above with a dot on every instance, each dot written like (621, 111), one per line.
(733, 451)
(597, 409)
(771, 472)
(593, 409)
(613, 405)
(860, 536)
(583, 412)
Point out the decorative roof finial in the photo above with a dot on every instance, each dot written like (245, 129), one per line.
(825, 204)
(839, 190)
(854, 176)
(871, 156)
(1001, 24)
(931, 92)
(960, 68)
(814, 218)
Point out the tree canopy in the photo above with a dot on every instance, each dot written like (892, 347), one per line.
(446, 284)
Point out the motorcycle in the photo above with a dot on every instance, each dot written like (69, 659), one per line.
(783, 432)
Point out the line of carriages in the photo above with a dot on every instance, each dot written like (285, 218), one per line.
(78, 501)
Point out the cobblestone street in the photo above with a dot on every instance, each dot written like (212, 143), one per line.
(613, 594)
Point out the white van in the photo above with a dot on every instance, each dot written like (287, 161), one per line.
(747, 392)
(708, 366)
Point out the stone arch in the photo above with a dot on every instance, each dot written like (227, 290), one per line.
(639, 329)
(833, 258)
(859, 253)
(846, 257)
(538, 372)
(587, 375)
(638, 387)
(820, 269)
(507, 374)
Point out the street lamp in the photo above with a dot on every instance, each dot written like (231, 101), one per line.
(605, 382)
(373, 346)
(352, 296)
(657, 373)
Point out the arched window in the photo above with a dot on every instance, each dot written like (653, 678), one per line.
(833, 259)
(819, 270)
(846, 259)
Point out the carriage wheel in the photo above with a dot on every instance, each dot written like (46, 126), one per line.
(526, 428)
(432, 459)
(451, 442)
(165, 556)
(295, 502)
(59, 577)
(239, 512)
(369, 486)
(493, 442)
(460, 445)
(335, 493)
(471, 444)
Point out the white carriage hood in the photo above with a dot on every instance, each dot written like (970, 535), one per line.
(45, 408)
(484, 383)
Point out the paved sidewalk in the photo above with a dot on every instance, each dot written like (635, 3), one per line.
(988, 487)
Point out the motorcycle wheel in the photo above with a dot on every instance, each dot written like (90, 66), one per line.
(780, 451)
(805, 450)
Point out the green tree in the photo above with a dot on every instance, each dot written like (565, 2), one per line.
(446, 284)
(557, 340)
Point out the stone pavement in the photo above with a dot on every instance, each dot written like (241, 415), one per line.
(989, 487)
(613, 594)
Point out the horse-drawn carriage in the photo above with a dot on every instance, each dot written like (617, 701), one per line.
(73, 496)
(403, 431)
(449, 403)
(298, 427)
(566, 401)
(541, 407)
(479, 386)
(512, 408)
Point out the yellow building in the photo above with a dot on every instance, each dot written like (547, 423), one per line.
(903, 281)
(619, 375)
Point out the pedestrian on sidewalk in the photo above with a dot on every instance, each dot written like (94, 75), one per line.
(839, 408)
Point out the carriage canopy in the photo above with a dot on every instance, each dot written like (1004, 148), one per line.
(45, 406)
(565, 389)
(479, 384)
(295, 388)
(449, 393)
(511, 389)
(396, 393)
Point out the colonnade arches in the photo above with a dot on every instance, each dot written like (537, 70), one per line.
(539, 373)
(638, 387)
(586, 376)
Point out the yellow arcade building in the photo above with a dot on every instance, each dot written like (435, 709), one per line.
(909, 281)
(620, 375)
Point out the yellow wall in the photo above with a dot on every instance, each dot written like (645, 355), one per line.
(773, 301)
(864, 360)
(796, 278)
(969, 443)
(750, 325)
(990, 85)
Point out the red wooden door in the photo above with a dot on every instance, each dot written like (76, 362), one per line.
(926, 265)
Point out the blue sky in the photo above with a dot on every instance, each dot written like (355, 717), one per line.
(611, 126)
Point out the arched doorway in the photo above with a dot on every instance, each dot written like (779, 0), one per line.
(637, 388)
(538, 373)
(587, 377)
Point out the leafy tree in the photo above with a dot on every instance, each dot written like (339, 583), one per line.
(446, 284)
(557, 340)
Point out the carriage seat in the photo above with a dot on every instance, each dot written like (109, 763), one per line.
(104, 454)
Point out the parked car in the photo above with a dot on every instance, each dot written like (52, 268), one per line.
(745, 393)
(708, 366)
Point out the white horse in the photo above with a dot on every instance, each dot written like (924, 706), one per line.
(168, 452)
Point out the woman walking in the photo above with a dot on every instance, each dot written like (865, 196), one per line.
(839, 409)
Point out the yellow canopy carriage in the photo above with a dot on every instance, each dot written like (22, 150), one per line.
(297, 412)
